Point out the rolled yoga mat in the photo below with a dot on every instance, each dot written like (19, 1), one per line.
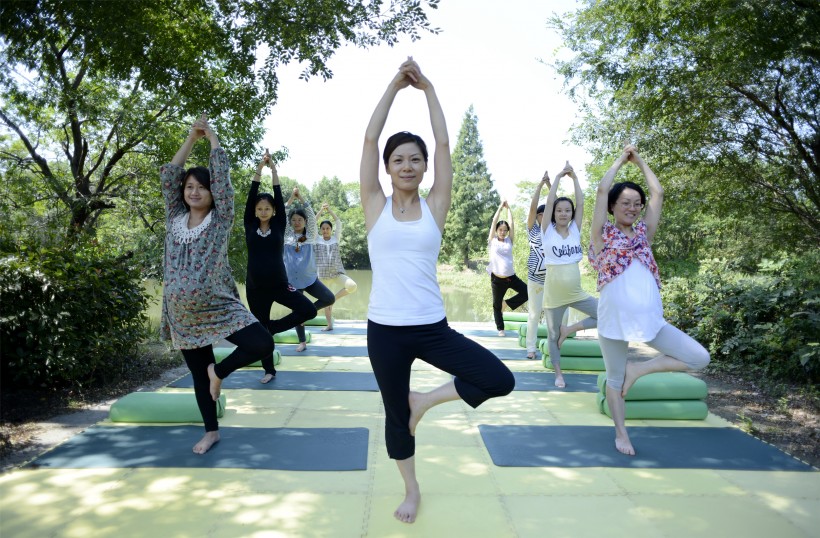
(663, 386)
(289, 449)
(659, 409)
(160, 407)
(221, 352)
(515, 316)
(576, 347)
(289, 337)
(318, 321)
(581, 364)
(543, 332)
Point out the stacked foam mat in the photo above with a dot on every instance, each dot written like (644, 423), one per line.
(513, 320)
(583, 354)
(664, 396)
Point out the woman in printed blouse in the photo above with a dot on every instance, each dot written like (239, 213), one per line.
(562, 252)
(501, 267)
(630, 309)
(329, 260)
(267, 279)
(300, 259)
(200, 302)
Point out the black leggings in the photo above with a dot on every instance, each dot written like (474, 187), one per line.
(479, 375)
(260, 301)
(324, 297)
(252, 343)
(500, 285)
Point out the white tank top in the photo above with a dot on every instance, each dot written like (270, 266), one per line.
(403, 256)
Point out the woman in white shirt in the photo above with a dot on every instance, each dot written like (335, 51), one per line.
(501, 267)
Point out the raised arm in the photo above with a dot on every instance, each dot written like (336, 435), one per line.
(652, 216)
(553, 195)
(579, 196)
(337, 222)
(511, 222)
(495, 222)
(599, 216)
(310, 227)
(534, 202)
(221, 187)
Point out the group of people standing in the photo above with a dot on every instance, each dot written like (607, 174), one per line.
(406, 316)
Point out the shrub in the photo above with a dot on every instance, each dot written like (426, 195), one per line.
(768, 321)
(69, 316)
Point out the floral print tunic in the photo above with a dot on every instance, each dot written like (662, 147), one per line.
(200, 301)
(619, 252)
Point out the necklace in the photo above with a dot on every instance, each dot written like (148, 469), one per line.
(402, 210)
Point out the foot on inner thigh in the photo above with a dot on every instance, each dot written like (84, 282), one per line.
(418, 406)
(216, 383)
(632, 374)
(563, 334)
(301, 347)
(624, 445)
(408, 509)
(207, 441)
(267, 378)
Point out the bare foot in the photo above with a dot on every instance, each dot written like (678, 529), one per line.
(563, 334)
(624, 446)
(559, 382)
(207, 441)
(502, 333)
(216, 385)
(301, 347)
(629, 378)
(531, 355)
(267, 378)
(417, 410)
(407, 510)
(328, 328)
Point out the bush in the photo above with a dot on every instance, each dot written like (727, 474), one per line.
(69, 317)
(768, 322)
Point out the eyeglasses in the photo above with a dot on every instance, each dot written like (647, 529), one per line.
(627, 205)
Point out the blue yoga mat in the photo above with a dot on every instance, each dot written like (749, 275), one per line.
(316, 350)
(292, 380)
(657, 448)
(290, 449)
(545, 381)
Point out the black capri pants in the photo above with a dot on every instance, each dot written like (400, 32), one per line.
(479, 374)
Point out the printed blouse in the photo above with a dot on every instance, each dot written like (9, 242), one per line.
(619, 251)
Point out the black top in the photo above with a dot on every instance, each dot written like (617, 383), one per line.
(266, 268)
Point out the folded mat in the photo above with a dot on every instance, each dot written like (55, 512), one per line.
(293, 380)
(545, 381)
(221, 352)
(657, 448)
(158, 407)
(289, 449)
(659, 409)
(583, 364)
(576, 347)
(662, 386)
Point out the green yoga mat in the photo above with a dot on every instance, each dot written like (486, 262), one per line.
(160, 407)
(221, 352)
(659, 409)
(582, 364)
(576, 347)
(515, 316)
(318, 321)
(513, 325)
(663, 386)
(289, 337)
(542, 330)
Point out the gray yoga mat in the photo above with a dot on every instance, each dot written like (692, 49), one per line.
(545, 381)
(316, 350)
(289, 449)
(657, 448)
(292, 380)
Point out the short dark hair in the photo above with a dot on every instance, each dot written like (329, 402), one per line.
(326, 222)
(402, 137)
(618, 188)
(298, 211)
(540, 209)
(266, 196)
(504, 222)
(203, 176)
(555, 204)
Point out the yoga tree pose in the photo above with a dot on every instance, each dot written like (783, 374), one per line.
(406, 318)
(535, 267)
(200, 302)
(329, 260)
(630, 308)
(562, 251)
(501, 267)
(267, 279)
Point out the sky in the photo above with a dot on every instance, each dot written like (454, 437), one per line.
(490, 54)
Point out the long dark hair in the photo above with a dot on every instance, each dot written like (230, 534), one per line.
(203, 176)
(562, 199)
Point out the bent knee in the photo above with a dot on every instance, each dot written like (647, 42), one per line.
(351, 286)
(700, 360)
(505, 385)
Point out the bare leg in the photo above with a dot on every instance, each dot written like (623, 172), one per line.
(216, 383)
(559, 377)
(617, 407)
(409, 507)
(421, 402)
(329, 318)
(637, 369)
(207, 441)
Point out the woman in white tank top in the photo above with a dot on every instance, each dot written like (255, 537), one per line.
(406, 318)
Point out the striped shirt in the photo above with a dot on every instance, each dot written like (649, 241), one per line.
(536, 268)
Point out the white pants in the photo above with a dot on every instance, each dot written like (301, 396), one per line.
(340, 281)
(535, 294)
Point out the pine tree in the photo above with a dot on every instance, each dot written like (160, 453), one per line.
(474, 197)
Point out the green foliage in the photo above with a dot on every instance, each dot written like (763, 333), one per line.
(767, 322)
(721, 96)
(474, 198)
(332, 191)
(69, 317)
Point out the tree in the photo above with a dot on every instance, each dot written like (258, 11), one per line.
(86, 84)
(723, 92)
(331, 191)
(474, 197)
